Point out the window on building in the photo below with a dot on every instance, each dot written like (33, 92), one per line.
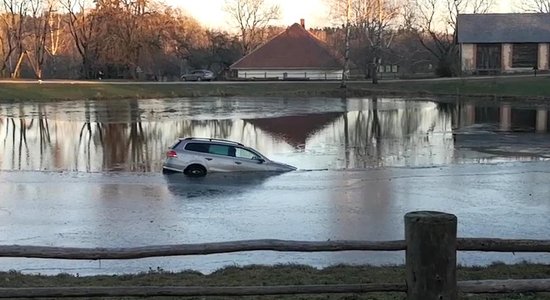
(488, 56)
(525, 55)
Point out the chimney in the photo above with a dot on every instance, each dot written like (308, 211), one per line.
(303, 23)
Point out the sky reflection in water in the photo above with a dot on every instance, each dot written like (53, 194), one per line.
(132, 135)
(114, 209)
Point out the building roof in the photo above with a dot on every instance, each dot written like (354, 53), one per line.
(294, 48)
(504, 28)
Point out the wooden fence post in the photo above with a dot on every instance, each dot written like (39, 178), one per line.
(431, 255)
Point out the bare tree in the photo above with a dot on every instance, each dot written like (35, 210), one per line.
(54, 23)
(6, 45)
(251, 17)
(406, 48)
(83, 23)
(536, 6)
(438, 28)
(57, 36)
(82, 37)
(374, 20)
(122, 24)
(408, 15)
(371, 22)
(347, 28)
(39, 27)
(12, 24)
(184, 36)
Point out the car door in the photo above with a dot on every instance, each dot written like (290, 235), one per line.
(219, 158)
(197, 75)
(248, 161)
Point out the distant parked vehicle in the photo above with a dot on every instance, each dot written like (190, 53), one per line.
(198, 75)
(198, 156)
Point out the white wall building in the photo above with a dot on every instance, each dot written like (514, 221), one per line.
(292, 55)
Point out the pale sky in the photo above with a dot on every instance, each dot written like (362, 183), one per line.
(210, 12)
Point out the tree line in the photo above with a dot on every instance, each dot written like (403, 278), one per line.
(127, 39)
(149, 40)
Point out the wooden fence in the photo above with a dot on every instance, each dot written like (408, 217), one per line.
(430, 244)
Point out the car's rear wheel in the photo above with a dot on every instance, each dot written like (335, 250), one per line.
(199, 79)
(195, 171)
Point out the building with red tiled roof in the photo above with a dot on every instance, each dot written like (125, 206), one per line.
(293, 54)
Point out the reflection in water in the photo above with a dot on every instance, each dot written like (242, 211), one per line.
(215, 185)
(503, 131)
(335, 134)
(295, 130)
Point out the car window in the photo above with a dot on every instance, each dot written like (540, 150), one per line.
(219, 150)
(243, 153)
(197, 147)
(175, 145)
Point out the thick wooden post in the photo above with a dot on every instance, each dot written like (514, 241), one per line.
(431, 255)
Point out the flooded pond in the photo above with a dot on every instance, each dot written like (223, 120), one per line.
(96, 136)
(87, 174)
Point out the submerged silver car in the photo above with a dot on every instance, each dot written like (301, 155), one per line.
(198, 156)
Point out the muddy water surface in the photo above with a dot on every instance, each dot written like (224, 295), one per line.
(96, 136)
(87, 174)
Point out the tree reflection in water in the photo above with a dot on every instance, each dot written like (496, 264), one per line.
(367, 133)
(380, 134)
(363, 137)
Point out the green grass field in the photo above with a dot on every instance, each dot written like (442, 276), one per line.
(508, 87)
(502, 86)
(287, 275)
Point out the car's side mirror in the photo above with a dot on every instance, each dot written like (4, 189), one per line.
(260, 160)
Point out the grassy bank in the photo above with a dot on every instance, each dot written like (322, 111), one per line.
(530, 87)
(287, 275)
(537, 88)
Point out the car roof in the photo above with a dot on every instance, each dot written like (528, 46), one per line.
(212, 140)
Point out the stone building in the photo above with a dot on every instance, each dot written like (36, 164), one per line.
(507, 43)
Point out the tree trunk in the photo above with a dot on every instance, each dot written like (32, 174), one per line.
(15, 73)
(374, 71)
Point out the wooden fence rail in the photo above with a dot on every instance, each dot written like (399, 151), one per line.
(463, 244)
(430, 240)
(502, 245)
(150, 291)
(474, 287)
(196, 249)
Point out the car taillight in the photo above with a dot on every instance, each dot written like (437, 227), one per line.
(171, 153)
